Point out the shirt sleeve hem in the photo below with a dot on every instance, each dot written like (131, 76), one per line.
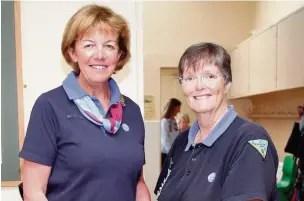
(250, 196)
(35, 158)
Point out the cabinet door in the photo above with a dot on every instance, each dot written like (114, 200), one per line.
(263, 62)
(291, 52)
(240, 70)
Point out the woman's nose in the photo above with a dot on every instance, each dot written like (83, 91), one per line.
(200, 84)
(99, 53)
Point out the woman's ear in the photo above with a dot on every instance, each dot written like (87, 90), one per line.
(119, 55)
(227, 87)
(72, 54)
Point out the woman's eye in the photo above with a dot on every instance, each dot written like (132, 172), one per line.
(211, 77)
(88, 45)
(110, 46)
(189, 78)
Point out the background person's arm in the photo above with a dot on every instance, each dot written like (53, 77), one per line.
(165, 140)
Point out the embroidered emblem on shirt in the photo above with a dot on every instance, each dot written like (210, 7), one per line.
(125, 127)
(211, 177)
(260, 145)
(122, 100)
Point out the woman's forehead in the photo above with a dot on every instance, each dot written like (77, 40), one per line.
(98, 29)
(206, 68)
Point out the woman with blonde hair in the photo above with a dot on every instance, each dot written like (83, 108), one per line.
(85, 140)
(183, 121)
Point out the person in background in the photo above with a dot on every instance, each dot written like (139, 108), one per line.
(223, 157)
(301, 116)
(85, 140)
(169, 128)
(183, 122)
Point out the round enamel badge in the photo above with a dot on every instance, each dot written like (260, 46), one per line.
(211, 177)
(125, 127)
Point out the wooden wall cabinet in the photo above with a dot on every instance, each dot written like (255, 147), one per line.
(290, 63)
(270, 61)
(240, 70)
(263, 60)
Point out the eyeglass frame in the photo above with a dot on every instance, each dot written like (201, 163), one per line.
(201, 77)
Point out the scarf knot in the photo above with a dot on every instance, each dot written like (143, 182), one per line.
(88, 108)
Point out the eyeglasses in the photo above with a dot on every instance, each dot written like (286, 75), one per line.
(191, 80)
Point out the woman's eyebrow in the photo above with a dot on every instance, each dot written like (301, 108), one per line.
(108, 41)
(87, 40)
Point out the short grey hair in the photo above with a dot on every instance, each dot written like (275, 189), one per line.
(197, 55)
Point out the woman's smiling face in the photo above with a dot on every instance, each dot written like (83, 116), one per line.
(204, 88)
(97, 53)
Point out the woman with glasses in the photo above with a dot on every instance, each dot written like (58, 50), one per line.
(222, 156)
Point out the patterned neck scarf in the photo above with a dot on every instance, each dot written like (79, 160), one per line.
(90, 110)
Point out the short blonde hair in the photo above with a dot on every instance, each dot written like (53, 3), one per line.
(90, 16)
(181, 116)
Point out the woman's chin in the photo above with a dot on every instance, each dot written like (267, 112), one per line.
(98, 78)
(202, 110)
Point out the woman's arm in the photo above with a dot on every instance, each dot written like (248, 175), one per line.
(142, 192)
(35, 179)
(165, 141)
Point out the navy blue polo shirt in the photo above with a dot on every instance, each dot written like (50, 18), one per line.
(231, 164)
(88, 164)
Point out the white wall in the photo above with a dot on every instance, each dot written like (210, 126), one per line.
(152, 146)
(42, 26)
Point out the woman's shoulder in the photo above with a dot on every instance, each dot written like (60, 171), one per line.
(252, 137)
(52, 94)
(50, 98)
(249, 129)
(164, 120)
(182, 138)
(249, 132)
(180, 142)
(130, 106)
(127, 101)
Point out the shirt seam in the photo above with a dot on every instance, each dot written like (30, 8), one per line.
(27, 156)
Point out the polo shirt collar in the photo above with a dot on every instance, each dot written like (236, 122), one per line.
(74, 90)
(216, 132)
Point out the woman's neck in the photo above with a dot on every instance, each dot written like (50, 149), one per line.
(207, 121)
(100, 90)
